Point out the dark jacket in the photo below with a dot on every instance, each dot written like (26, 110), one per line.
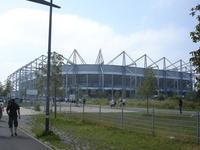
(12, 109)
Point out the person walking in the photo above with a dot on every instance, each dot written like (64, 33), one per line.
(13, 111)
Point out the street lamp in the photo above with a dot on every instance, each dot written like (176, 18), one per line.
(50, 4)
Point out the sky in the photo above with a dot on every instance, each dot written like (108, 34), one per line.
(158, 28)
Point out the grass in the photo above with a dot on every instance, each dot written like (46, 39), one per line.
(91, 135)
(176, 125)
(51, 138)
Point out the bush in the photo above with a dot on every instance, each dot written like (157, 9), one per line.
(192, 96)
(37, 107)
(170, 106)
(161, 97)
(173, 96)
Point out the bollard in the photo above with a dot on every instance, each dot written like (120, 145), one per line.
(198, 128)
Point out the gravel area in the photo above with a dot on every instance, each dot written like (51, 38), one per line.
(74, 143)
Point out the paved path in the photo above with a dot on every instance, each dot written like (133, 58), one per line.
(20, 142)
(65, 107)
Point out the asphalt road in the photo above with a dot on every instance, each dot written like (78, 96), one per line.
(20, 142)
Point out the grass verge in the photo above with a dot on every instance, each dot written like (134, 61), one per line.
(92, 136)
(49, 138)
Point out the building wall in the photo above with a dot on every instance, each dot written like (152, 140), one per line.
(111, 77)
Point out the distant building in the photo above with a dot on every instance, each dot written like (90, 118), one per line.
(109, 78)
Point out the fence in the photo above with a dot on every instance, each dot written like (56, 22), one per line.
(169, 123)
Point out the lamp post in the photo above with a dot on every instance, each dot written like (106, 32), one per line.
(50, 4)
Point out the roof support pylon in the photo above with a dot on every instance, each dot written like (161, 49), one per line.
(99, 59)
(76, 55)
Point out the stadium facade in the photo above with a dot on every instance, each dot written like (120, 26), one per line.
(108, 78)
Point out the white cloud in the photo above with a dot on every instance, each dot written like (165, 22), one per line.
(24, 35)
(163, 4)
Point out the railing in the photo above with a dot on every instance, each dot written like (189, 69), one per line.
(168, 123)
(157, 122)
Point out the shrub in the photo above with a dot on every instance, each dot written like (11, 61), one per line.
(192, 96)
(37, 107)
(161, 97)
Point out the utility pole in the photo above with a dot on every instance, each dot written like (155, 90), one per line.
(50, 4)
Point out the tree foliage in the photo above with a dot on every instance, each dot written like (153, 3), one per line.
(8, 88)
(5, 90)
(1, 89)
(56, 74)
(41, 80)
(195, 35)
(148, 87)
(56, 77)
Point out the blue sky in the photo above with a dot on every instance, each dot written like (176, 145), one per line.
(125, 16)
(131, 15)
(156, 27)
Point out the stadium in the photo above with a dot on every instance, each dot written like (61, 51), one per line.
(108, 78)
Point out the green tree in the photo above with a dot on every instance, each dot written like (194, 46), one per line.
(56, 78)
(23, 93)
(100, 94)
(1, 89)
(148, 86)
(195, 35)
(8, 88)
(41, 80)
(117, 94)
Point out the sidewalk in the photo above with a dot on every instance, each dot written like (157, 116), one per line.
(21, 142)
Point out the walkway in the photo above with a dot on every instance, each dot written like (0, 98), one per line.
(20, 142)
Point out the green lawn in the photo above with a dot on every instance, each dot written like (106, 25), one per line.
(177, 126)
(89, 134)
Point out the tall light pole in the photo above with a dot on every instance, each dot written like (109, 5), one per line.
(50, 4)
